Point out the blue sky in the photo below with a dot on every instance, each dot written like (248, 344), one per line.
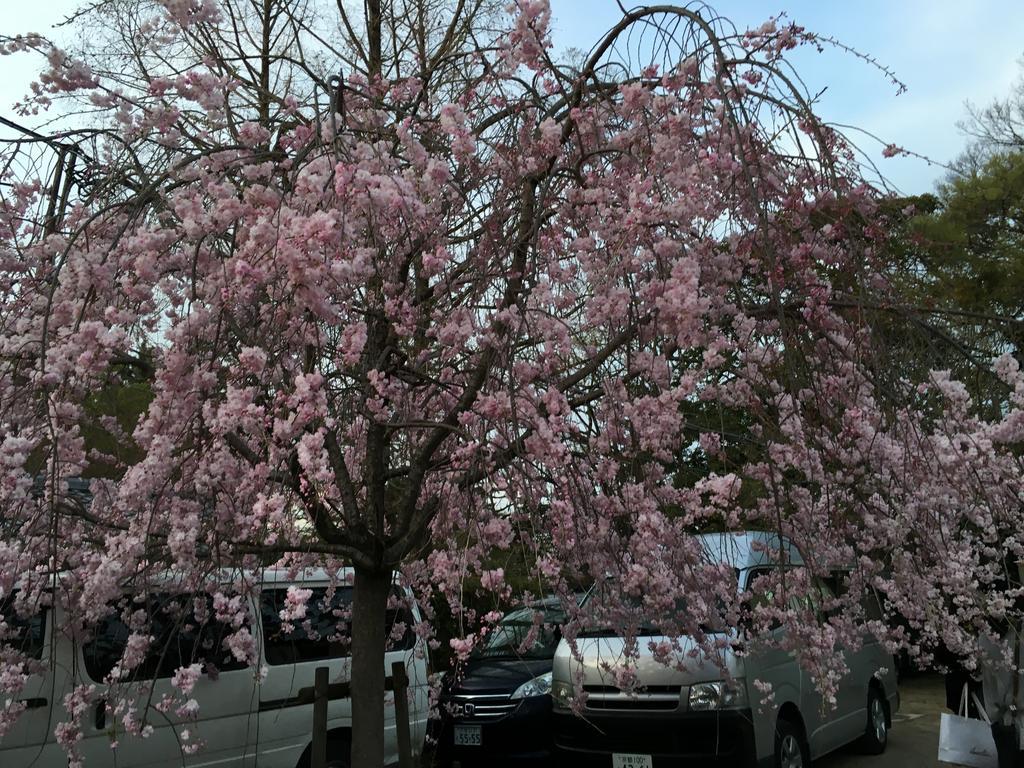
(946, 52)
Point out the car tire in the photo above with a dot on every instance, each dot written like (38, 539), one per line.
(876, 730)
(339, 755)
(790, 746)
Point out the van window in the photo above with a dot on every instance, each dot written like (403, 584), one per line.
(22, 633)
(837, 582)
(180, 638)
(324, 632)
(821, 598)
(872, 606)
(763, 594)
(400, 622)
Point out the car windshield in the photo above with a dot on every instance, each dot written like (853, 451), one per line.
(603, 606)
(512, 633)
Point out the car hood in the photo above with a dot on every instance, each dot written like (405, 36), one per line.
(498, 675)
(600, 658)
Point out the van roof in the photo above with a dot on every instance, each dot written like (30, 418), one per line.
(750, 549)
(269, 576)
(274, 575)
(279, 575)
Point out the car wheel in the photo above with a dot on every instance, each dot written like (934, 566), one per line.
(790, 747)
(876, 731)
(338, 756)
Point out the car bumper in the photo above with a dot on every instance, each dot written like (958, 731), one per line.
(523, 735)
(723, 738)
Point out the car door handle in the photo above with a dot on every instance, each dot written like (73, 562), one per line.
(34, 703)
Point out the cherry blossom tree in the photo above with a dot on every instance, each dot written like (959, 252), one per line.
(461, 298)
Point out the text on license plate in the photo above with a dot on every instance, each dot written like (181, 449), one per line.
(631, 761)
(470, 736)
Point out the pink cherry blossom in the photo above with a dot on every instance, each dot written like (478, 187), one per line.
(511, 315)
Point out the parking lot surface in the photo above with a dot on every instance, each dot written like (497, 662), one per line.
(914, 738)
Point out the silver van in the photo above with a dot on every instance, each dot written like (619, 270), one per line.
(247, 718)
(710, 712)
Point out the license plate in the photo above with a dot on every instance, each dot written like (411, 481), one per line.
(469, 736)
(631, 761)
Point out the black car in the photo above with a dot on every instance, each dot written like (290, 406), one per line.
(498, 710)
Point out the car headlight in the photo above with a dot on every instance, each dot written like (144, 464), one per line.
(718, 695)
(538, 686)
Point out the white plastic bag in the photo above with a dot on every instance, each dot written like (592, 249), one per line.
(966, 741)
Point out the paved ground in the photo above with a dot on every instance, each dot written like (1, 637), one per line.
(914, 739)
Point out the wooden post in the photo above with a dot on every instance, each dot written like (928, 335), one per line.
(318, 758)
(400, 683)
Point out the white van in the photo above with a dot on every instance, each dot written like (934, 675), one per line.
(247, 718)
(701, 715)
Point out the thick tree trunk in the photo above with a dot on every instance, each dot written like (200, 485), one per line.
(369, 605)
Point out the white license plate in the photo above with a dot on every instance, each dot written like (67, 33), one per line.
(631, 761)
(469, 736)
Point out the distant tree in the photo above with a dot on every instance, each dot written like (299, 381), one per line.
(995, 128)
(975, 238)
(970, 235)
(958, 255)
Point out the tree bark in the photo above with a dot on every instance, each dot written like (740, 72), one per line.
(375, 62)
(264, 89)
(370, 591)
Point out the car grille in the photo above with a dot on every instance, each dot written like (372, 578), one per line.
(480, 706)
(652, 697)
